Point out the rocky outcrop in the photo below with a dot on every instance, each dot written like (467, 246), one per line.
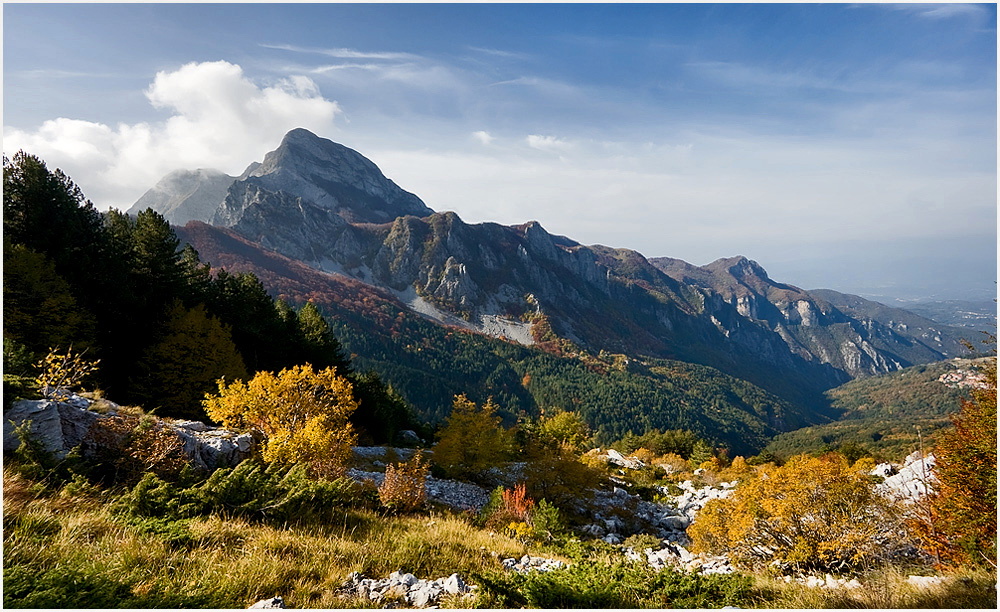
(57, 426)
(405, 588)
(62, 426)
(335, 178)
(674, 555)
(210, 448)
(856, 336)
(909, 482)
(527, 564)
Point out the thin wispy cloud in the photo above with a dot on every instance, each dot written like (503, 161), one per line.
(544, 86)
(347, 53)
(62, 74)
(501, 53)
(947, 11)
(332, 67)
(739, 75)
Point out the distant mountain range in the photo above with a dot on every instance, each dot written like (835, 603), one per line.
(327, 207)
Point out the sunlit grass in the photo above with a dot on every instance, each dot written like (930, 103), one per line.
(67, 550)
(884, 588)
(231, 562)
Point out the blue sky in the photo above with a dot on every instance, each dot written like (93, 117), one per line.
(843, 146)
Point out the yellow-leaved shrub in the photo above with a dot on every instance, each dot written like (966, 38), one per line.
(302, 414)
(811, 513)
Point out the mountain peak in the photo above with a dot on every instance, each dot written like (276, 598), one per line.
(739, 266)
(335, 177)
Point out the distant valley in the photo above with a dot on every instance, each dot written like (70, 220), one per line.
(978, 315)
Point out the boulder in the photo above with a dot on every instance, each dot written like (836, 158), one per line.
(58, 426)
(210, 449)
(675, 523)
(408, 436)
(422, 595)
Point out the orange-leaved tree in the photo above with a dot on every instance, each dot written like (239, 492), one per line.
(962, 526)
(811, 513)
(302, 414)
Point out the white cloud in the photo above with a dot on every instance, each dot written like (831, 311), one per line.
(483, 137)
(547, 143)
(219, 118)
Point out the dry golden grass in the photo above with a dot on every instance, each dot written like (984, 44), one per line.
(229, 562)
(885, 588)
(233, 562)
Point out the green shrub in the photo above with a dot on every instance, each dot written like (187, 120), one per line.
(272, 493)
(546, 521)
(641, 541)
(60, 587)
(594, 584)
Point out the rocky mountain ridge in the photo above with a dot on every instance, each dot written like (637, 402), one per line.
(321, 203)
(855, 335)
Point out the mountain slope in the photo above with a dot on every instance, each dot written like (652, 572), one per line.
(429, 363)
(323, 204)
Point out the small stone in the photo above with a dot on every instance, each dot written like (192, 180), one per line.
(268, 604)
(454, 585)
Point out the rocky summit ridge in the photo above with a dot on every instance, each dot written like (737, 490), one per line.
(324, 204)
(328, 175)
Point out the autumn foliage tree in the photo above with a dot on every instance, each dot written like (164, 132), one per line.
(301, 414)
(962, 529)
(59, 373)
(553, 448)
(472, 440)
(811, 513)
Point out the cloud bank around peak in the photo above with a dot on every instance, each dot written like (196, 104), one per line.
(216, 117)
